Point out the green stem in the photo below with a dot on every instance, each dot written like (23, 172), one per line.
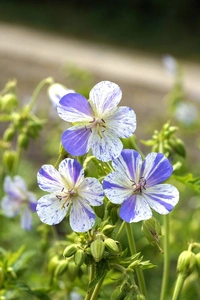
(166, 259)
(91, 276)
(133, 250)
(178, 286)
(16, 161)
(120, 230)
(97, 289)
(36, 92)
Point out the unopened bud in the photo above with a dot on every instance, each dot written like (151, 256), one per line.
(8, 102)
(111, 246)
(9, 134)
(79, 257)
(118, 294)
(70, 250)
(152, 230)
(54, 261)
(61, 267)
(108, 229)
(186, 263)
(97, 249)
(23, 140)
(9, 159)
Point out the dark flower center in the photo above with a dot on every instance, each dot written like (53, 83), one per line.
(139, 186)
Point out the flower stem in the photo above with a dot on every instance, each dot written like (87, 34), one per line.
(97, 288)
(36, 92)
(166, 258)
(133, 251)
(178, 286)
(91, 276)
(120, 230)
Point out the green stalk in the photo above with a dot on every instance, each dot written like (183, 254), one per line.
(91, 276)
(166, 258)
(120, 230)
(133, 251)
(97, 289)
(178, 286)
(36, 92)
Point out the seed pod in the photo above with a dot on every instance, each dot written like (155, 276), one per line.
(70, 250)
(108, 229)
(186, 263)
(79, 257)
(111, 246)
(97, 249)
(61, 268)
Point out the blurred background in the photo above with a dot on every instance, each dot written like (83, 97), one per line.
(150, 48)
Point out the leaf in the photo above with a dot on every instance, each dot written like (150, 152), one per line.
(101, 270)
(189, 180)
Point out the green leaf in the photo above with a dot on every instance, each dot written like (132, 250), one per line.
(101, 270)
(189, 180)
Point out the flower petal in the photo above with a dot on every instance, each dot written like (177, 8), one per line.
(107, 147)
(75, 140)
(91, 191)
(105, 96)
(50, 210)
(135, 209)
(72, 172)
(122, 121)
(49, 179)
(15, 187)
(32, 201)
(162, 197)
(26, 219)
(75, 108)
(10, 206)
(128, 164)
(82, 217)
(56, 91)
(155, 169)
(117, 187)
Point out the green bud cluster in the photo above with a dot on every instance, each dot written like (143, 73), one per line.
(186, 263)
(167, 141)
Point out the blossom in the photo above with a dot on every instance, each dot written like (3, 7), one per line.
(56, 91)
(18, 201)
(98, 123)
(69, 192)
(136, 184)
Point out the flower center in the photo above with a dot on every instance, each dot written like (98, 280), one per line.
(66, 196)
(100, 125)
(137, 187)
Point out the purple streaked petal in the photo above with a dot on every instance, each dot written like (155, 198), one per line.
(56, 91)
(32, 206)
(82, 217)
(72, 172)
(107, 147)
(74, 108)
(75, 140)
(105, 96)
(50, 210)
(135, 209)
(162, 197)
(91, 191)
(156, 168)
(26, 219)
(10, 206)
(128, 165)
(122, 121)
(15, 187)
(49, 179)
(117, 187)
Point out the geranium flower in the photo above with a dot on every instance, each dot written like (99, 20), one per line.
(69, 190)
(136, 185)
(98, 123)
(18, 201)
(56, 91)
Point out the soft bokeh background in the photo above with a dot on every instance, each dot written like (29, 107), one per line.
(80, 43)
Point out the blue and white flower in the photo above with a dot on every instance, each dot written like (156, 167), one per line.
(136, 185)
(18, 201)
(98, 123)
(56, 91)
(70, 193)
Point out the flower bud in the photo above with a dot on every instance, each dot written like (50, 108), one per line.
(118, 294)
(111, 246)
(8, 102)
(72, 271)
(70, 250)
(99, 211)
(9, 159)
(9, 134)
(23, 140)
(79, 257)
(151, 229)
(97, 249)
(108, 229)
(61, 267)
(140, 297)
(186, 263)
(53, 263)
